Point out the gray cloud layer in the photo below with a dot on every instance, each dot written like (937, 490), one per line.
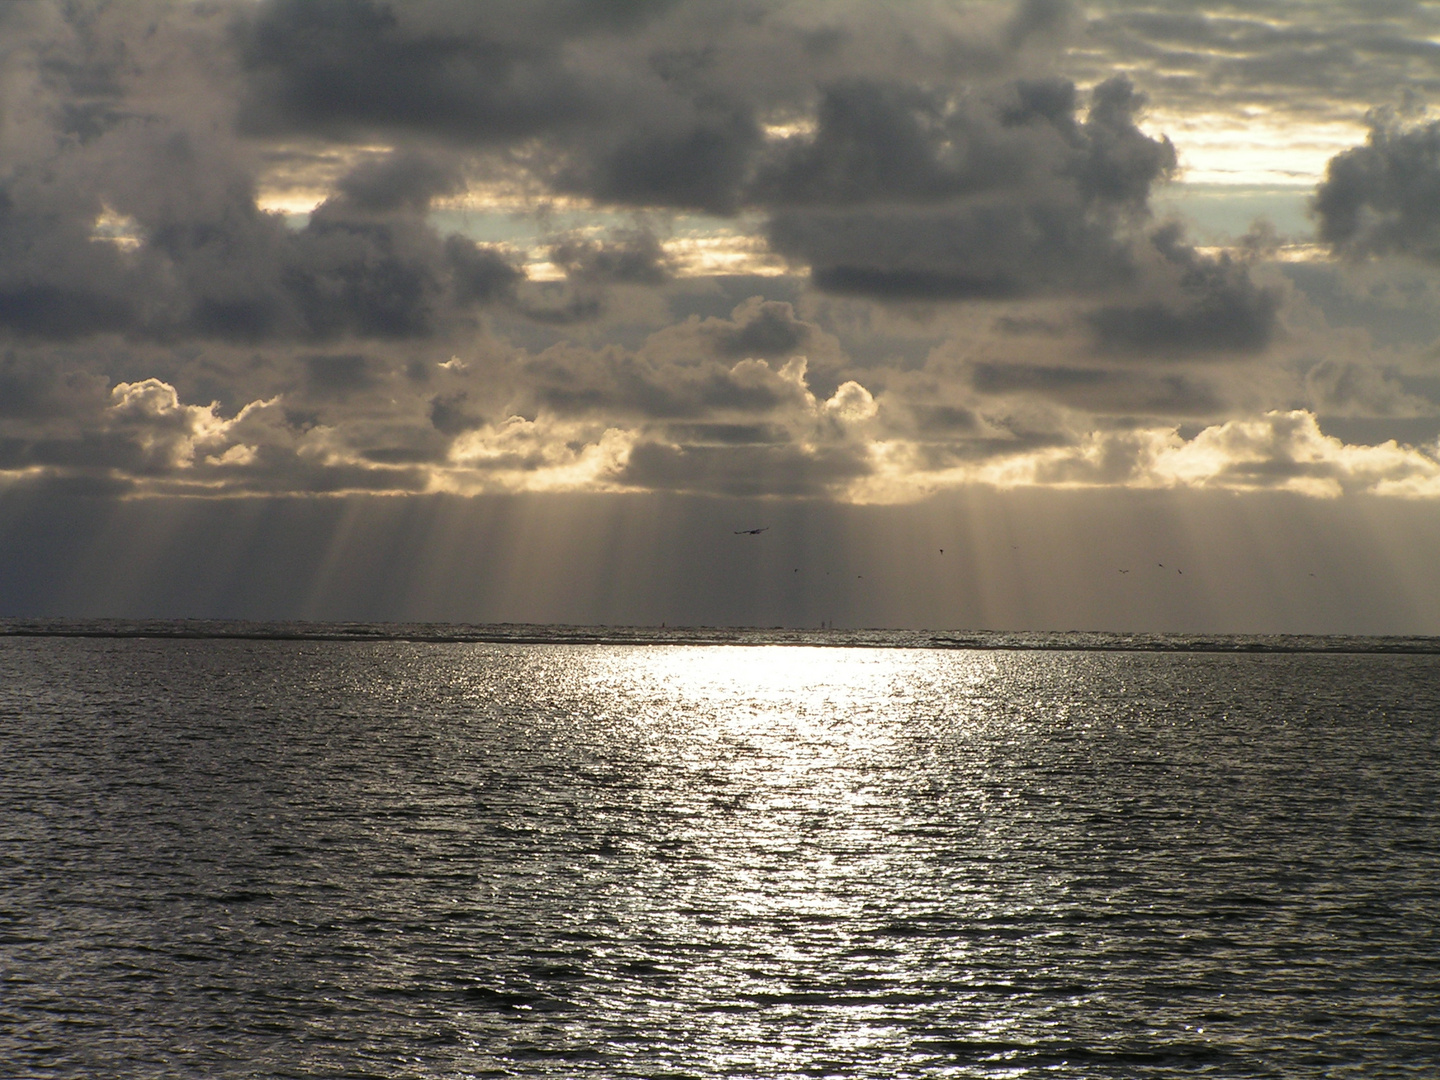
(960, 200)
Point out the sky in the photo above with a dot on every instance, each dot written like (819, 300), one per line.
(528, 310)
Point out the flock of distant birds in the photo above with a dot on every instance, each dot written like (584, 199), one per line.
(1013, 547)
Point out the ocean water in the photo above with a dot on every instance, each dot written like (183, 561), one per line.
(274, 855)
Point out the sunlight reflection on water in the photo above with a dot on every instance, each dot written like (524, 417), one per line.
(256, 858)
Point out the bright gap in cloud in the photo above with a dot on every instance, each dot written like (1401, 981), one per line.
(1237, 169)
(1254, 149)
(122, 230)
(1219, 214)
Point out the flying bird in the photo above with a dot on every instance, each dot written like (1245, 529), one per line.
(751, 532)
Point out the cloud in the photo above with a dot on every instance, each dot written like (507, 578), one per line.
(404, 180)
(451, 414)
(632, 257)
(701, 166)
(476, 73)
(1100, 390)
(634, 104)
(763, 434)
(972, 186)
(617, 383)
(1383, 198)
(1288, 451)
(1307, 61)
(1350, 388)
(823, 450)
(756, 329)
(168, 433)
(722, 434)
(215, 266)
(1214, 307)
(1280, 451)
(766, 329)
(907, 195)
(906, 143)
(953, 268)
(480, 274)
(545, 454)
(330, 374)
(1395, 302)
(743, 470)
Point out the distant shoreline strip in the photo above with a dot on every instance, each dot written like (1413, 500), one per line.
(525, 634)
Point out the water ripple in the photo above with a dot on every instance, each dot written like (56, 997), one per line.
(254, 857)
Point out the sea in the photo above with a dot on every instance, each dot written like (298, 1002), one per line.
(351, 850)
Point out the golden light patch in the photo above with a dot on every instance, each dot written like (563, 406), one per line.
(1253, 148)
(121, 230)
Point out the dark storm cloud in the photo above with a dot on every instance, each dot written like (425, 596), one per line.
(489, 75)
(754, 328)
(911, 143)
(894, 141)
(989, 251)
(187, 252)
(675, 122)
(701, 166)
(370, 279)
(477, 73)
(1216, 309)
(632, 104)
(1383, 198)
(904, 195)
(365, 264)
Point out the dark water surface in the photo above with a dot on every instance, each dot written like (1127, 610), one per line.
(399, 858)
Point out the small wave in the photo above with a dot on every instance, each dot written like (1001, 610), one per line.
(1050, 1055)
